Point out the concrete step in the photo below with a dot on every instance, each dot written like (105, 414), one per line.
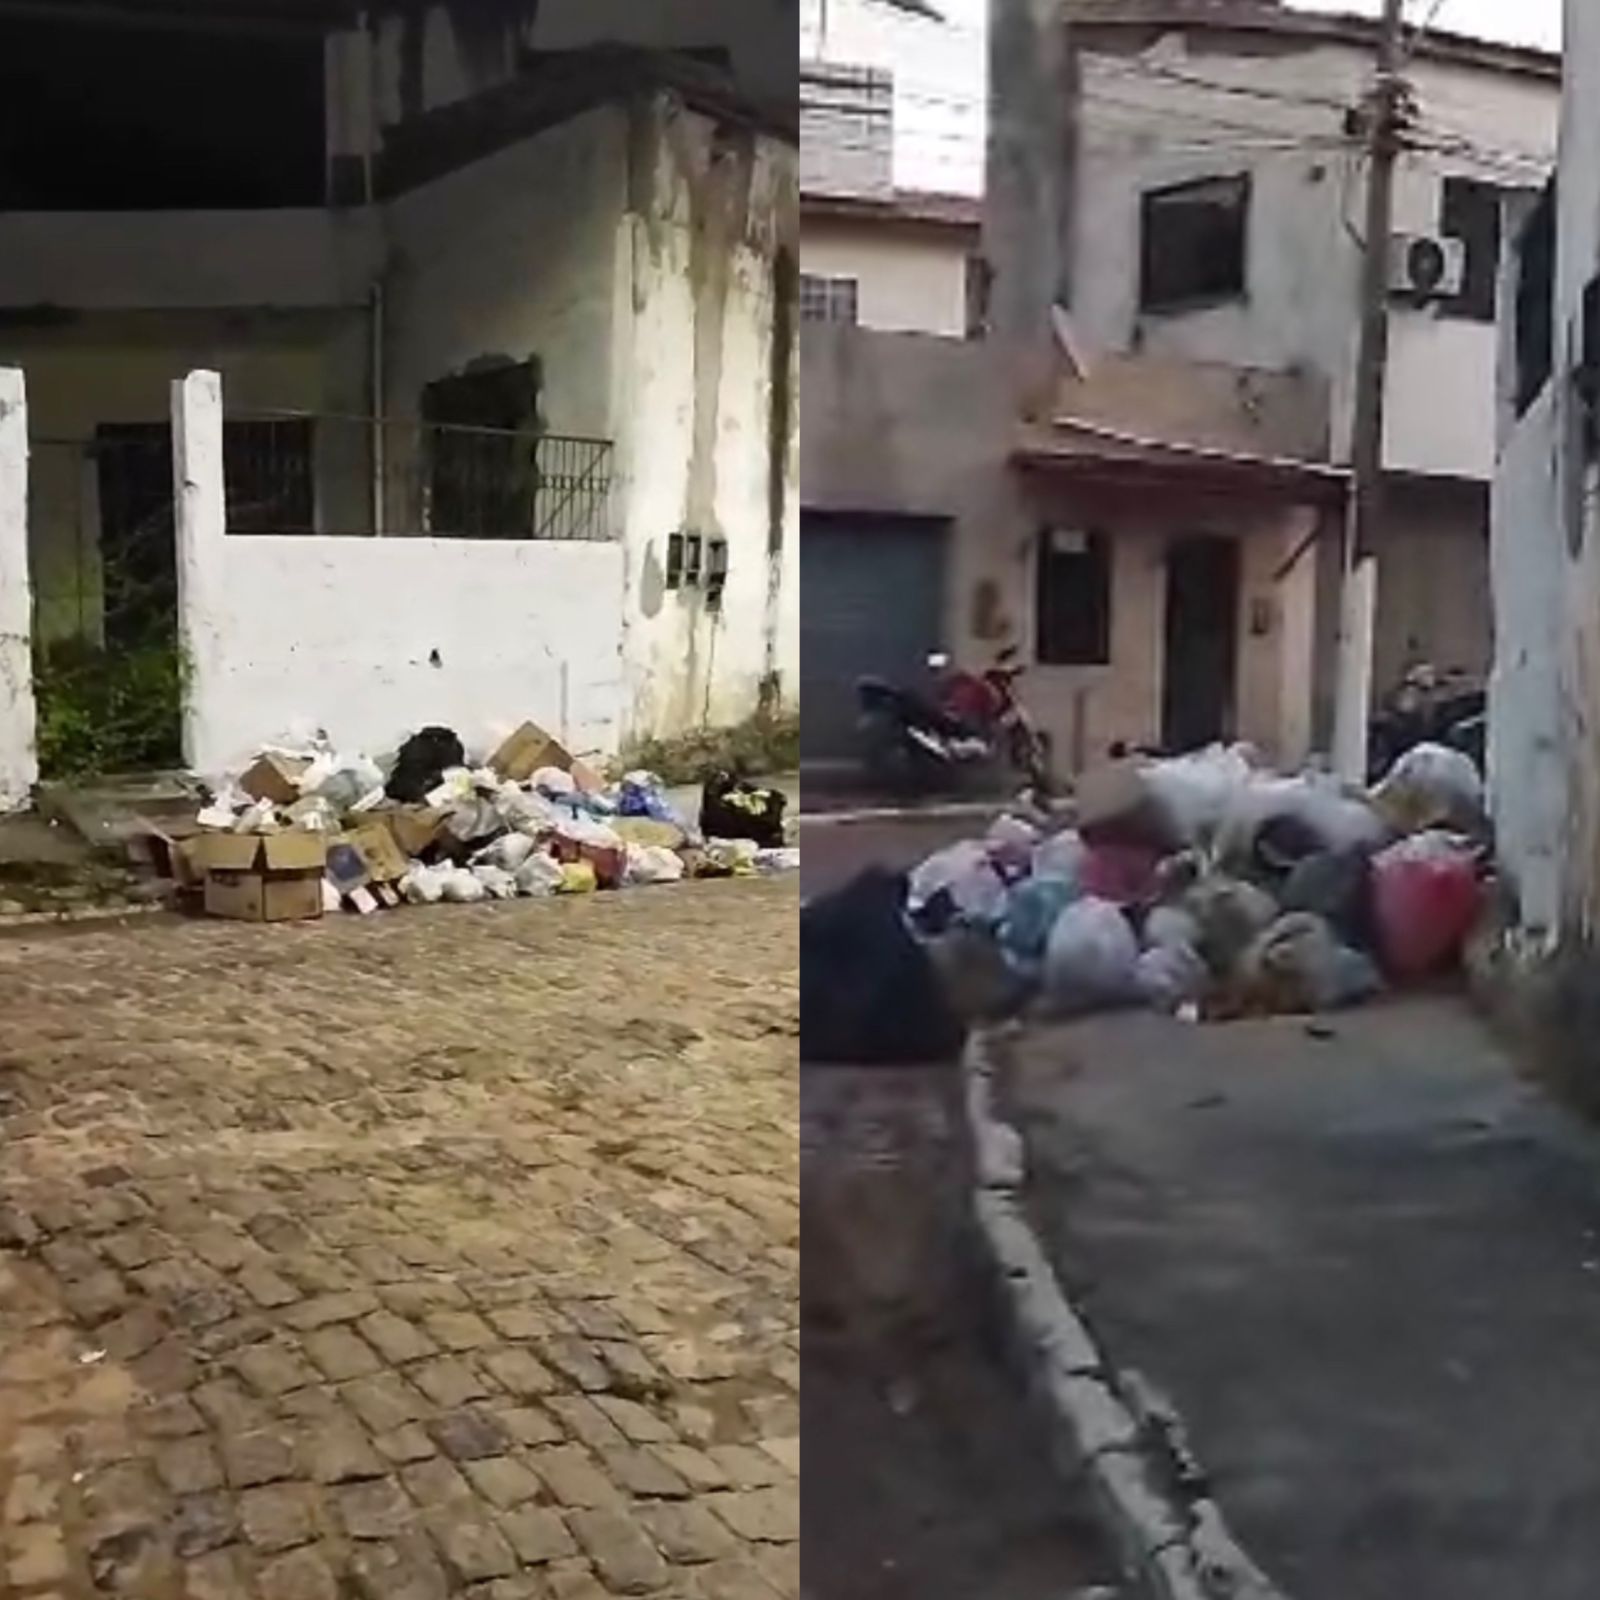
(108, 813)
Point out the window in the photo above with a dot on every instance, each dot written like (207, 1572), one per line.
(829, 299)
(1073, 602)
(1470, 211)
(1192, 246)
(1535, 309)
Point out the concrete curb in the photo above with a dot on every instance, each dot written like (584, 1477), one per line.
(1105, 1424)
(954, 812)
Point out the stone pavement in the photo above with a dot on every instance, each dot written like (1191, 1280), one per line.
(1364, 1263)
(450, 1252)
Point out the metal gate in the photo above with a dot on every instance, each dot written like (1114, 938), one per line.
(871, 604)
(107, 670)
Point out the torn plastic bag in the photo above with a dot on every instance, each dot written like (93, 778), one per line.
(731, 809)
(734, 858)
(347, 782)
(1091, 959)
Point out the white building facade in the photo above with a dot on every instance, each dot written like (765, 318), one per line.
(561, 249)
(1218, 189)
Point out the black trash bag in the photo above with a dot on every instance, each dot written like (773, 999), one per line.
(733, 809)
(869, 995)
(1336, 885)
(424, 758)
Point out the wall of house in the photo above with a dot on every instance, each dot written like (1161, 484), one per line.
(121, 261)
(109, 368)
(703, 336)
(373, 638)
(912, 279)
(1202, 107)
(918, 426)
(19, 765)
(514, 256)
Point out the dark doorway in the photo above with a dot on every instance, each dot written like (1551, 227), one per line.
(1202, 642)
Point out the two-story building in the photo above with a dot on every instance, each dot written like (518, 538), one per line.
(518, 282)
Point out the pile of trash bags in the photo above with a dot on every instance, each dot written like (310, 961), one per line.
(1210, 886)
(466, 833)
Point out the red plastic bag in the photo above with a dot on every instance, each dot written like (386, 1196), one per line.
(1124, 874)
(1426, 898)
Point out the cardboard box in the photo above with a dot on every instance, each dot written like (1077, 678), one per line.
(413, 828)
(255, 878)
(363, 861)
(275, 777)
(526, 751)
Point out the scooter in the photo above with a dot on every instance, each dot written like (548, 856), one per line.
(970, 720)
(1427, 708)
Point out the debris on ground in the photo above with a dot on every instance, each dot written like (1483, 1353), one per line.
(1207, 886)
(307, 830)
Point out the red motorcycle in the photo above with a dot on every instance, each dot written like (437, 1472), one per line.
(969, 719)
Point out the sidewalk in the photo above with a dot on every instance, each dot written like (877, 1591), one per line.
(1366, 1270)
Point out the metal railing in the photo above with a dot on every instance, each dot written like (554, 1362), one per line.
(319, 473)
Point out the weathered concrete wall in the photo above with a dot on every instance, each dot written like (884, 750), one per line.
(1149, 118)
(912, 279)
(898, 423)
(19, 764)
(705, 380)
(373, 638)
(514, 256)
(185, 260)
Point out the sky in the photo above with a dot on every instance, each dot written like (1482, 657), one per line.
(1535, 22)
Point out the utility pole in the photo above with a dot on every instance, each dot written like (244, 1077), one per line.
(1386, 115)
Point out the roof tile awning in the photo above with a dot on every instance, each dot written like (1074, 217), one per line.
(1109, 457)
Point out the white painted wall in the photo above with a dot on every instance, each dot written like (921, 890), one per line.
(692, 377)
(185, 260)
(343, 633)
(19, 765)
(1176, 112)
(514, 255)
(1545, 694)
(912, 279)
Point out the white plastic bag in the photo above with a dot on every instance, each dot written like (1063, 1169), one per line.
(1012, 841)
(423, 885)
(1337, 819)
(967, 875)
(1171, 976)
(775, 861)
(652, 863)
(460, 887)
(554, 782)
(1091, 959)
(497, 883)
(540, 874)
(1432, 783)
(1196, 791)
(508, 852)
(1060, 856)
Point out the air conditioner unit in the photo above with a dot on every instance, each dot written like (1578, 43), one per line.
(1425, 267)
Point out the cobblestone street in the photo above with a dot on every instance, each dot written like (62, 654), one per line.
(447, 1252)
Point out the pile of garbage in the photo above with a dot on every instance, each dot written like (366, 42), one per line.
(308, 829)
(1212, 887)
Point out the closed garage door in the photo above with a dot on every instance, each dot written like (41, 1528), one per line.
(871, 605)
